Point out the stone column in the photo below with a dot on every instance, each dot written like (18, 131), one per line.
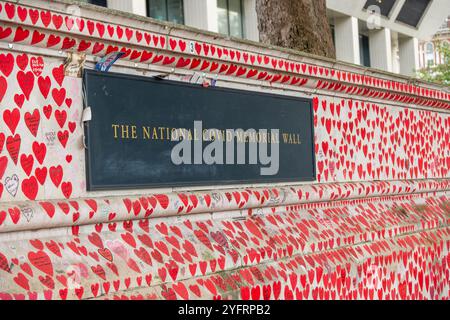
(347, 39)
(381, 49)
(133, 6)
(201, 14)
(409, 55)
(251, 31)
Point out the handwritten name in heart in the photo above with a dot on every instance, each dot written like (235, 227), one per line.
(12, 185)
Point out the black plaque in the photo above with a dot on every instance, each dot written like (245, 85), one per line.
(123, 152)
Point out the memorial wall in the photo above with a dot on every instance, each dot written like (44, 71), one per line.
(95, 203)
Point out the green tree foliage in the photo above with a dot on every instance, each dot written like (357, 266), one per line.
(439, 73)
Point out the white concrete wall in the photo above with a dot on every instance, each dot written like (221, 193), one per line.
(381, 49)
(133, 6)
(140, 7)
(347, 39)
(195, 13)
(201, 14)
(251, 31)
(409, 55)
(121, 5)
(211, 15)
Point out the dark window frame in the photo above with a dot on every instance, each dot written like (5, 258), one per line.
(100, 3)
(385, 14)
(364, 50)
(419, 21)
(333, 34)
(242, 18)
(166, 6)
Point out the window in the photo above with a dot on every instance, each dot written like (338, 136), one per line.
(364, 50)
(166, 10)
(412, 12)
(229, 16)
(101, 3)
(384, 5)
(333, 34)
(430, 54)
(445, 58)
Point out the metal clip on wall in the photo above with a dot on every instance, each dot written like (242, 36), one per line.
(86, 117)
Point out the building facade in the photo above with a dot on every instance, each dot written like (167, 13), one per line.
(382, 34)
(385, 34)
(429, 54)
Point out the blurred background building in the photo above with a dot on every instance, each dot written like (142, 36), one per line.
(429, 55)
(391, 35)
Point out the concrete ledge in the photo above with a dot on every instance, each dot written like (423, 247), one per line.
(133, 256)
(34, 215)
